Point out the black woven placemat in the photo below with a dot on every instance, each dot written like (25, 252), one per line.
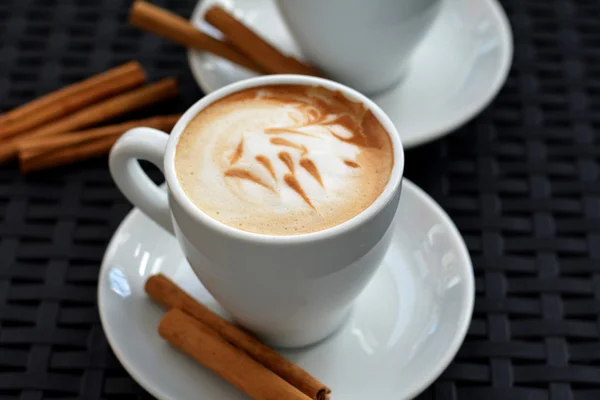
(521, 181)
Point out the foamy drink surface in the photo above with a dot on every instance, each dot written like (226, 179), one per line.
(284, 159)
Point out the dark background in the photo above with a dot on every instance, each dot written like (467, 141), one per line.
(521, 181)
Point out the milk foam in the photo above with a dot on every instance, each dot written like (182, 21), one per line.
(284, 160)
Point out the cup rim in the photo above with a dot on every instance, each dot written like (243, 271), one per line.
(177, 192)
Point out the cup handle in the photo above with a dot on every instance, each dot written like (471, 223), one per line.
(146, 144)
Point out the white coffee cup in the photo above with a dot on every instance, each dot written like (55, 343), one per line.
(363, 44)
(288, 290)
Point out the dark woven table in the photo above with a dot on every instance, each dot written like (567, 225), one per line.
(521, 181)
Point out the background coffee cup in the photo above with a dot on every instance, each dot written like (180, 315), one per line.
(289, 290)
(363, 44)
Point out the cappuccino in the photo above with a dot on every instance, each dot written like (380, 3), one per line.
(284, 159)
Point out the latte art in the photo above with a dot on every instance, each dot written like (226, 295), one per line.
(284, 160)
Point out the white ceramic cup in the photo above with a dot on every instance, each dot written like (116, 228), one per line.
(363, 44)
(289, 290)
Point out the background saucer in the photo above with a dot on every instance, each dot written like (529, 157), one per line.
(457, 70)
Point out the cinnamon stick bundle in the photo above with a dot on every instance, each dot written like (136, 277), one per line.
(173, 27)
(47, 152)
(165, 292)
(96, 113)
(231, 363)
(71, 98)
(255, 47)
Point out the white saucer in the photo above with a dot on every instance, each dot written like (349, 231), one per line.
(457, 70)
(404, 330)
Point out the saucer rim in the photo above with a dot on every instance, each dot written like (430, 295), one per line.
(439, 366)
(467, 113)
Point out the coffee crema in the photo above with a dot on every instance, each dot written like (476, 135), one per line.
(284, 159)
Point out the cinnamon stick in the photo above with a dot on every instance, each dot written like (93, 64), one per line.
(255, 47)
(231, 363)
(173, 27)
(94, 114)
(165, 292)
(53, 151)
(71, 98)
(86, 151)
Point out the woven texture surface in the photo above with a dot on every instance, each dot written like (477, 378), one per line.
(521, 181)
